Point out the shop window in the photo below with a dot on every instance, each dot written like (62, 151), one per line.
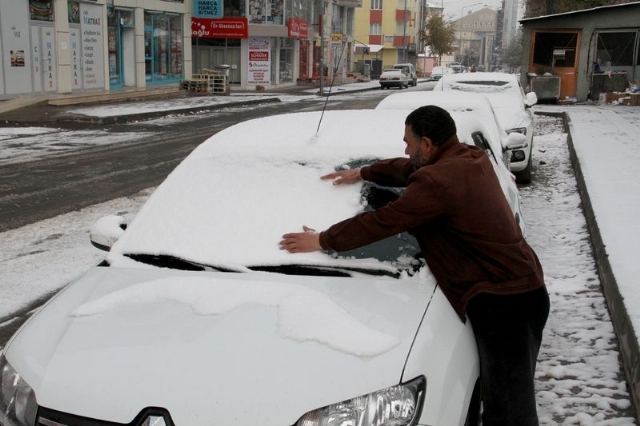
(286, 61)
(266, 12)
(163, 47)
(73, 12)
(615, 49)
(234, 8)
(554, 50)
(42, 10)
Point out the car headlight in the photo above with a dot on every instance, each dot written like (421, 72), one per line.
(395, 406)
(18, 405)
(521, 130)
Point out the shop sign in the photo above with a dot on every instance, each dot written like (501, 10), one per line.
(298, 28)
(336, 39)
(219, 28)
(259, 70)
(207, 8)
(92, 31)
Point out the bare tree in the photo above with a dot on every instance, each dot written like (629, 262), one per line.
(512, 55)
(439, 36)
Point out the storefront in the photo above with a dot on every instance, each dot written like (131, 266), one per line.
(89, 45)
(258, 41)
(163, 56)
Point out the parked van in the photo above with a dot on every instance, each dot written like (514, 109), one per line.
(410, 70)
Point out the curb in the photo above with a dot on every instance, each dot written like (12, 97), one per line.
(77, 118)
(627, 338)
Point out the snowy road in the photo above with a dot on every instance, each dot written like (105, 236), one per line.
(580, 380)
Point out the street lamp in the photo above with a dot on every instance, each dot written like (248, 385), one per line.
(461, 18)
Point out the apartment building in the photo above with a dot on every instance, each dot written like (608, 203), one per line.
(387, 32)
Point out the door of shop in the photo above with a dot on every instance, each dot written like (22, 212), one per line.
(213, 56)
(43, 42)
(557, 52)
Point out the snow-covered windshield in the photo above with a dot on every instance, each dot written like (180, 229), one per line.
(228, 204)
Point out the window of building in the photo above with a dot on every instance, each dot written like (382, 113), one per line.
(375, 29)
(163, 47)
(42, 10)
(266, 12)
(73, 8)
(376, 4)
(615, 49)
(286, 60)
(234, 8)
(554, 50)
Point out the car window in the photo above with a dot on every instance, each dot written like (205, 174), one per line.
(401, 248)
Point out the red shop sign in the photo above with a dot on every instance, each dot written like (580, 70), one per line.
(219, 28)
(298, 28)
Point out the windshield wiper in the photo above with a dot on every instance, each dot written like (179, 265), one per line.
(324, 271)
(172, 262)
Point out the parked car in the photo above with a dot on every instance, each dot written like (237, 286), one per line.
(196, 317)
(394, 78)
(512, 106)
(410, 70)
(438, 72)
(456, 67)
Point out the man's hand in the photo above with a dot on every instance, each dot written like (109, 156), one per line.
(344, 176)
(301, 242)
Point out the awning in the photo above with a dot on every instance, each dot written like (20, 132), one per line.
(373, 48)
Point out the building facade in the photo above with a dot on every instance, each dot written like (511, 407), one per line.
(386, 33)
(587, 52)
(477, 38)
(72, 46)
(65, 46)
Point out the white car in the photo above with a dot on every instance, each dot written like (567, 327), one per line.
(512, 107)
(196, 317)
(438, 72)
(394, 78)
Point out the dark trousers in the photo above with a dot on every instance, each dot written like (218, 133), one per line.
(508, 330)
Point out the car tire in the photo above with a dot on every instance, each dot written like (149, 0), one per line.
(475, 407)
(525, 175)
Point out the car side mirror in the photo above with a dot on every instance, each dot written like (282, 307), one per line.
(530, 99)
(516, 140)
(106, 231)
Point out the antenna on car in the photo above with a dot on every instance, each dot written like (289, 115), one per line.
(330, 87)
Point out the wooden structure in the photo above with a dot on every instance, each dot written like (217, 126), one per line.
(208, 82)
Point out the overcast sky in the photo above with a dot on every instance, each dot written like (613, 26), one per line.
(453, 8)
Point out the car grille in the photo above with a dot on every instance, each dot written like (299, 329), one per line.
(48, 417)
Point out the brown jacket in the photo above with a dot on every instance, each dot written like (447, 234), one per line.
(456, 209)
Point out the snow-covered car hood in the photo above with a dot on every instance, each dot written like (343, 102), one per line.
(217, 348)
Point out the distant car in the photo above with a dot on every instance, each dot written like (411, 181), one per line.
(394, 78)
(456, 67)
(196, 317)
(411, 72)
(438, 72)
(512, 106)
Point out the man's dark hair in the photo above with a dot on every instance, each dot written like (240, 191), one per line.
(433, 122)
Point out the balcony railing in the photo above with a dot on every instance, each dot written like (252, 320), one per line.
(403, 15)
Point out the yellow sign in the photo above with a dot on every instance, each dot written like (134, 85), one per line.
(336, 39)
